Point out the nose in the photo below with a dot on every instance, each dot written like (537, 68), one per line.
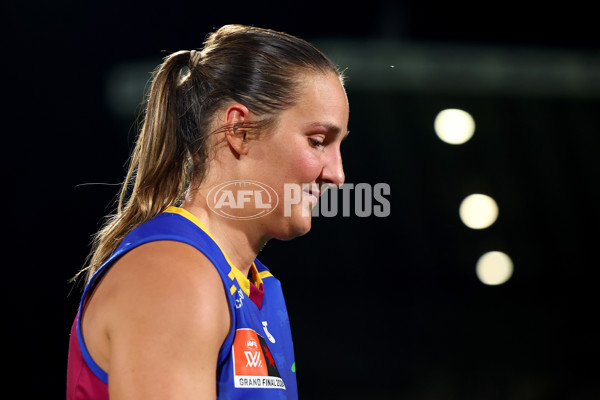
(333, 170)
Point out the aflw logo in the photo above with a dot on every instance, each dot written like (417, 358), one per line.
(253, 359)
(242, 199)
(253, 364)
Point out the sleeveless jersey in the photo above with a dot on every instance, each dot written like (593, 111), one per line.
(256, 360)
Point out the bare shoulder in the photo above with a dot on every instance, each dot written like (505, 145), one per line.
(164, 313)
(164, 276)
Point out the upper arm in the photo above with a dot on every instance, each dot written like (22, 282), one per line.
(167, 319)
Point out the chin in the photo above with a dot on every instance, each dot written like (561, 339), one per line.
(294, 226)
(302, 229)
(294, 231)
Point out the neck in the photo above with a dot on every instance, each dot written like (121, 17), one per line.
(239, 239)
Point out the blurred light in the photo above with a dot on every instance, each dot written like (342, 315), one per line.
(454, 126)
(478, 211)
(494, 268)
(125, 86)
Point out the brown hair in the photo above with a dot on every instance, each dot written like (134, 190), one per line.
(258, 68)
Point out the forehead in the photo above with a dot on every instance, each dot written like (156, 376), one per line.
(322, 102)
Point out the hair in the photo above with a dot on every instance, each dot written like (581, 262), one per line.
(259, 68)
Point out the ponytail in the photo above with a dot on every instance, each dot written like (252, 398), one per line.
(159, 170)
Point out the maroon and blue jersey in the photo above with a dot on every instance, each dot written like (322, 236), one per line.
(256, 360)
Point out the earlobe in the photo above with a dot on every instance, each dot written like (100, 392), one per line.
(235, 116)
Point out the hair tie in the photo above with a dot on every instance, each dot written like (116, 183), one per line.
(195, 57)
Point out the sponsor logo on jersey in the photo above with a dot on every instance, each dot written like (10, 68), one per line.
(271, 338)
(253, 363)
(239, 302)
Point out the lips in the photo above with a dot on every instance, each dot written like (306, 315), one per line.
(312, 199)
(316, 190)
(312, 191)
(315, 193)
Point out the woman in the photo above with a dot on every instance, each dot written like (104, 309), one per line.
(176, 304)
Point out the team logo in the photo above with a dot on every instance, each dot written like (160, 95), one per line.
(253, 363)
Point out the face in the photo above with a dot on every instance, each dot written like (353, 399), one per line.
(303, 151)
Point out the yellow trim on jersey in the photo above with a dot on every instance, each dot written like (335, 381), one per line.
(235, 273)
(265, 274)
(243, 281)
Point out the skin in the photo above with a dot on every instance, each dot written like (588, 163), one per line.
(158, 333)
(302, 148)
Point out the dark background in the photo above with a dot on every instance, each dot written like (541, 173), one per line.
(381, 308)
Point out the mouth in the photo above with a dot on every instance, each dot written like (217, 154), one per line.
(313, 192)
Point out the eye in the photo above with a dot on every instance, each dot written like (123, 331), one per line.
(315, 142)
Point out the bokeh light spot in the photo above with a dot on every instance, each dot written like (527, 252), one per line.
(478, 211)
(454, 126)
(494, 268)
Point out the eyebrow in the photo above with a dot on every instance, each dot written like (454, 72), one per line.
(331, 128)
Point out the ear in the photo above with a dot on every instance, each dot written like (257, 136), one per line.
(235, 115)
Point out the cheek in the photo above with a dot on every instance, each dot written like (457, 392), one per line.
(304, 166)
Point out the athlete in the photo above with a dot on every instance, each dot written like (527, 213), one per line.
(176, 305)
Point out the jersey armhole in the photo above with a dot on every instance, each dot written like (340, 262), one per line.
(87, 357)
